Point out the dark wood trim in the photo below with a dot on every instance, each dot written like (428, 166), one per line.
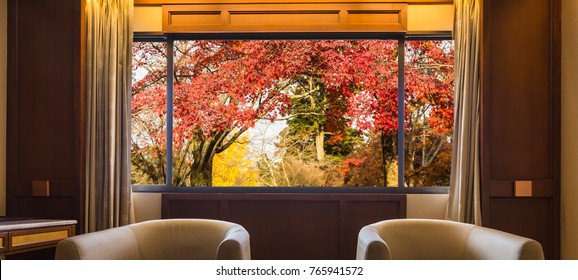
(540, 188)
(556, 78)
(12, 102)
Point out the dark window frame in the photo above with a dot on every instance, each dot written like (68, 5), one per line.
(401, 39)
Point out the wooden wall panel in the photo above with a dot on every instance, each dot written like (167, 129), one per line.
(520, 106)
(517, 219)
(361, 213)
(292, 226)
(206, 209)
(44, 126)
(300, 230)
(56, 207)
(521, 118)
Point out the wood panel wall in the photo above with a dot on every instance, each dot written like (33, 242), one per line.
(45, 108)
(292, 226)
(521, 119)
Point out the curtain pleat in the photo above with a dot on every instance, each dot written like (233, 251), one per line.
(464, 198)
(109, 37)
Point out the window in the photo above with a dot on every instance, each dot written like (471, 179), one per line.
(292, 112)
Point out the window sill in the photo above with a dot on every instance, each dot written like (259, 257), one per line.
(328, 190)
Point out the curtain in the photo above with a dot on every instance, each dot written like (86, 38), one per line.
(108, 94)
(464, 198)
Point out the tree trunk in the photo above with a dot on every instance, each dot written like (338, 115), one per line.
(319, 149)
(204, 151)
(202, 166)
(384, 164)
(388, 149)
(202, 174)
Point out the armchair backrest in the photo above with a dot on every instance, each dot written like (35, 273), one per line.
(424, 239)
(184, 239)
(173, 239)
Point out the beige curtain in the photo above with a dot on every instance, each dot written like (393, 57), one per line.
(464, 199)
(108, 95)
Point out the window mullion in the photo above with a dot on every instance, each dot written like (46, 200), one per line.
(169, 107)
(400, 113)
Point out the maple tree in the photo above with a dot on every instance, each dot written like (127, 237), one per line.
(148, 120)
(368, 166)
(428, 121)
(222, 88)
(429, 107)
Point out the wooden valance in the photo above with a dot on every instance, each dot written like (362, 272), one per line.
(163, 2)
(285, 17)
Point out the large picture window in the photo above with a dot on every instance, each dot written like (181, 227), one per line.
(284, 113)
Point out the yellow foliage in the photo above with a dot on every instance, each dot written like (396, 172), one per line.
(392, 174)
(232, 167)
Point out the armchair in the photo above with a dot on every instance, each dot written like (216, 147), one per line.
(172, 239)
(422, 239)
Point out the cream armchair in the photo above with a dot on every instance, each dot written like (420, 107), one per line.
(183, 239)
(420, 239)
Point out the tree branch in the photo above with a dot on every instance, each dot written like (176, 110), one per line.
(230, 141)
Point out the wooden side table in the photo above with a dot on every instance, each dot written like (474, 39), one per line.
(19, 235)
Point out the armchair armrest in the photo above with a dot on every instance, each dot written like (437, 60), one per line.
(235, 245)
(370, 246)
(117, 244)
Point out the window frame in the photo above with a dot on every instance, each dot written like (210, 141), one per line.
(401, 39)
